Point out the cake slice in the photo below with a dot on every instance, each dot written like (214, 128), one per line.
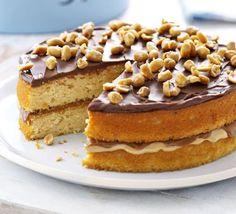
(169, 112)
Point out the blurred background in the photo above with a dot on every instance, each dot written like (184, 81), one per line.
(25, 22)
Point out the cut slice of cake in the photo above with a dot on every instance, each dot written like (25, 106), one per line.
(169, 112)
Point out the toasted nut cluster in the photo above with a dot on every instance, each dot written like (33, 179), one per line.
(129, 67)
(232, 76)
(140, 56)
(65, 53)
(202, 52)
(231, 46)
(143, 91)
(170, 89)
(54, 51)
(165, 75)
(156, 64)
(51, 62)
(81, 40)
(48, 139)
(115, 97)
(181, 80)
(118, 49)
(108, 86)
(40, 50)
(233, 60)
(188, 65)
(25, 67)
(146, 72)
(82, 63)
(169, 63)
(55, 41)
(87, 29)
(93, 56)
(138, 80)
(215, 70)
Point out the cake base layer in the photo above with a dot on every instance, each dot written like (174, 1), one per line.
(185, 157)
(162, 125)
(56, 121)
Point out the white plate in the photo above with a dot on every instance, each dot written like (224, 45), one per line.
(15, 148)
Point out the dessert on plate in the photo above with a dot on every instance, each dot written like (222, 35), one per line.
(158, 99)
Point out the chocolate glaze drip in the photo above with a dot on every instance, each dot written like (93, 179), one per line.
(189, 96)
(230, 129)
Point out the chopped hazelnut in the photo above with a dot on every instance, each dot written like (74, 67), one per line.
(25, 67)
(182, 37)
(153, 54)
(99, 48)
(146, 72)
(222, 52)
(202, 37)
(233, 60)
(122, 88)
(129, 39)
(94, 56)
(103, 40)
(117, 49)
(125, 81)
(193, 79)
(73, 51)
(175, 31)
(204, 79)
(214, 59)
(156, 64)
(169, 63)
(83, 48)
(54, 51)
(231, 46)
(140, 56)
(151, 46)
(108, 86)
(185, 50)
(169, 89)
(164, 28)
(202, 52)
(165, 75)
(55, 41)
(232, 76)
(181, 80)
(107, 33)
(82, 63)
(146, 37)
(51, 62)
(40, 50)
(128, 67)
(87, 29)
(81, 40)
(65, 53)
(215, 70)
(188, 65)
(116, 24)
(115, 97)
(138, 80)
(191, 30)
(229, 54)
(143, 91)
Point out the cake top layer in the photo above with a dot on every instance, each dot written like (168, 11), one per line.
(166, 67)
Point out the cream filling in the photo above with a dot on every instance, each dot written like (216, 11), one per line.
(214, 136)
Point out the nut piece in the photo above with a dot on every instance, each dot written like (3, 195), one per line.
(231, 46)
(99, 48)
(215, 70)
(116, 24)
(129, 39)
(83, 49)
(191, 30)
(128, 67)
(202, 52)
(202, 37)
(25, 67)
(125, 81)
(146, 37)
(122, 88)
(214, 59)
(103, 40)
(172, 54)
(229, 54)
(73, 51)
(185, 50)
(153, 54)
(151, 46)
(71, 37)
(108, 86)
(115, 97)
(182, 37)
(81, 40)
(204, 79)
(146, 72)
(87, 29)
(48, 139)
(107, 33)
(188, 65)
(118, 49)
(94, 56)
(156, 64)
(232, 76)
(54, 51)
(65, 53)
(233, 60)
(51, 62)
(193, 79)
(181, 80)
(140, 56)
(164, 28)
(169, 89)
(165, 75)
(175, 31)
(138, 80)
(55, 41)
(169, 63)
(40, 50)
(82, 63)
(143, 91)
(221, 52)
